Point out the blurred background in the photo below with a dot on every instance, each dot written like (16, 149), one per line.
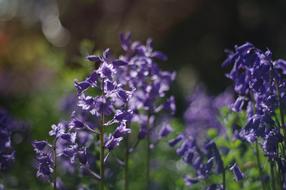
(43, 44)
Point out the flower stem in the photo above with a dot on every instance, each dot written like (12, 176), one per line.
(148, 154)
(259, 165)
(272, 175)
(55, 164)
(101, 138)
(126, 165)
(279, 179)
(223, 180)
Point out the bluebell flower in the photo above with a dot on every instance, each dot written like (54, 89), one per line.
(270, 144)
(260, 86)
(113, 142)
(57, 130)
(121, 130)
(189, 181)
(215, 187)
(165, 130)
(214, 152)
(45, 166)
(237, 172)
(176, 140)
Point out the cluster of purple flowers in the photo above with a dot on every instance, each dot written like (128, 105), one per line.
(194, 147)
(8, 127)
(260, 85)
(112, 100)
(143, 74)
(7, 153)
(65, 146)
(205, 161)
(119, 92)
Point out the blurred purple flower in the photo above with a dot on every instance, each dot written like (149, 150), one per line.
(8, 127)
(236, 172)
(203, 111)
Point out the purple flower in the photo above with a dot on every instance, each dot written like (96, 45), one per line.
(8, 126)
(93, 58)
(6, 159)
(121, 130)
(170, 105)
(239, 103)
(183, 148)
(45, 166)
(112, 142)
(102, 105)
(39, 146)
(165, 130)
(270, 144)
(64, 147)
(106, 71)
(123, 115)
(236, 172)
(142, 132)
(76, 123)
(149, 83)
(214, 187)
(213, 151)
(176, 140)
(189, 156)
(202, 113)
(69, 137)
(125, 39)
(57, 130)
(82, 156)
(81, 86)
(259, 82)
(190, 181)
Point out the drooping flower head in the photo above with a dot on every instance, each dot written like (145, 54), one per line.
(259, 82)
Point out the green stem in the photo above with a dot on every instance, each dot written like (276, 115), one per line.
(223, 180)
(279, 176)
(126, 166)
(101, 138)
(259, 165)
(148, 154)
(272, 175)
(55, 164)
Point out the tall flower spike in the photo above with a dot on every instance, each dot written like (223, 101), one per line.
(259, 82)
(150, 84)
